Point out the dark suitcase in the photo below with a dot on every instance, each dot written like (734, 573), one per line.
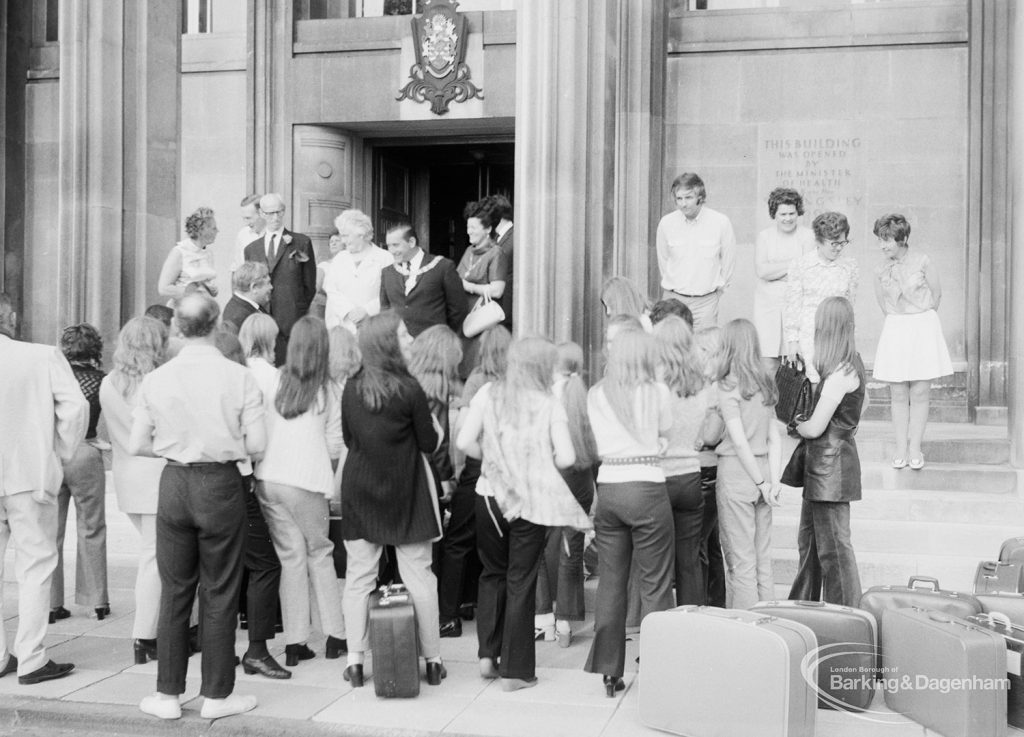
(944, 673)
(847, 649)
(997, 577)
(1014, 637)
(920, 591)
(709, 672)
(1012, 550)
(396, 667)
(1011, 605)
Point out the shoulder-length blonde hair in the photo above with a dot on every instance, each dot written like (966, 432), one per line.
(258, 334)
(434, 362)
(678, 362)
(574, 399)
(834, 339)
(141, 347)
(741, 366)
(343, 354)
(530, 369)
(631, 368)
(620, 296)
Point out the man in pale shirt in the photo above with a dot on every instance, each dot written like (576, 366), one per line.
(696, 251)
(203, 413)
(44, 418)
(253, 229)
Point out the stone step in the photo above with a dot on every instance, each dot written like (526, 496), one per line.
(942, 477)
(944, 443)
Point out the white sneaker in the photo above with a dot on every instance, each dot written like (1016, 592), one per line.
(161, 706)
(233, 704)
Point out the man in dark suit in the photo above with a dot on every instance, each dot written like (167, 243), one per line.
(290, 261)
(503, 210)
(423, 289)
(252, 288)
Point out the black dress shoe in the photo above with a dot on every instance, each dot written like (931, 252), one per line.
(48, 672)
(436, 672)
(294, 653)
(58, 613)
(145, 650)
(613, 684)
(335, 647)
(451, 628)
(466, 611)
(265, 667)
(11, 667)
(102, 611)
(354, 675)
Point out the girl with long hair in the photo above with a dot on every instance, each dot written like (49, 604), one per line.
(294, 482)
(681, 370)
(560, 578)
(141, 346)
(831, 464)
(749, 465)
(630, 413)
(620, 296)
(389, 496)
(520, 432)
(459, 568)
(434, 359)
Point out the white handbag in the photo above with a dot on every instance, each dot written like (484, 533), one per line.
(486, 313)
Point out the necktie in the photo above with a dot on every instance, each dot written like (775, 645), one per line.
(273, 246)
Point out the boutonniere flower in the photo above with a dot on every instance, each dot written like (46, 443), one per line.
(287, 239)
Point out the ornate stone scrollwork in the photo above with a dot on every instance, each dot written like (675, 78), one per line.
(440, 74)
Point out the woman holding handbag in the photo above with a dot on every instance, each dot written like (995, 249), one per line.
(484, 269)
(831, 474)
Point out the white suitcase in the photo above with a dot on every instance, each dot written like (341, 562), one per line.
(709, 672)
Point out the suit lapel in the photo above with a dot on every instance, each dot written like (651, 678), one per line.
(272, 263)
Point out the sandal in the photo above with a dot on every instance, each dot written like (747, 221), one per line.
(917, 463)
(899, 462)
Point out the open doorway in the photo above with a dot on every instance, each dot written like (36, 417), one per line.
(431, 185)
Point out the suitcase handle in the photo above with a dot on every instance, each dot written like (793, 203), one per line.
(923, 579)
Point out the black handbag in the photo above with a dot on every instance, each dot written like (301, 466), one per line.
(793, 475)
(795, 396)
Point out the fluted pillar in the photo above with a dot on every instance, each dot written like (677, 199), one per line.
(120, 92)
(1016, 272)
(589, 92)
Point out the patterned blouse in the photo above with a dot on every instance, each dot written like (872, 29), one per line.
(811, 280)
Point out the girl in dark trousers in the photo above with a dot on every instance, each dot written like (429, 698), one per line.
(520, 432)
(560, 579)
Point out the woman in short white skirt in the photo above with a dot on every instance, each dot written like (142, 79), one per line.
(911, 351)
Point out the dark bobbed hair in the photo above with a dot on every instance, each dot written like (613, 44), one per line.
(784, 196)
(228, 344)
(163, 313)
(665, 307)
(829, 226)
(384, 372)
(689, 180)
(195, 222)
(81, 343)
(500, 206)
(893, 226)
(481, 210)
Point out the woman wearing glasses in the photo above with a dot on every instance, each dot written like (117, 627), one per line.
(821, 273)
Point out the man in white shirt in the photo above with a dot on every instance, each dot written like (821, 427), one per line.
(696, 251)
(203, 413)
(253, 228)
(45, 416)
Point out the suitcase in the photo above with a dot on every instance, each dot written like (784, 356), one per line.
(920, 591)
(396, 665)
(709, 672)
(1014, 637)
(996, 577)
(847, 649)
(944, 672)
(1011, 605)
(1012, 550)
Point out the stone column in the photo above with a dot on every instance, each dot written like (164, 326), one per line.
(589, 96)
(15, 29)
(1015, 281)
(120, 91)
(988, 217)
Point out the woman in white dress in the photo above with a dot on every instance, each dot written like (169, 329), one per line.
(352, 279)
(911, 349)
(191, 261)
(776, 248)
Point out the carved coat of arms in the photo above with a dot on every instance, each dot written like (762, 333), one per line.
(440, 74)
